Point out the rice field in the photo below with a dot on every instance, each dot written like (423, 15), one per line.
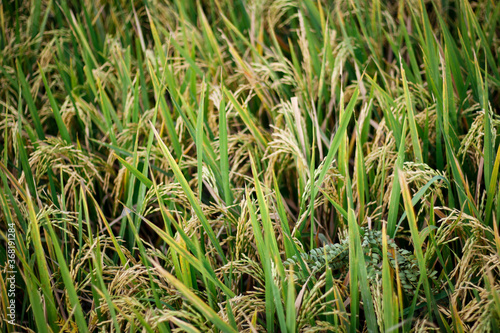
(249, 166)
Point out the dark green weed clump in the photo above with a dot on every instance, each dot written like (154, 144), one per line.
(336, 257)
(249, 166)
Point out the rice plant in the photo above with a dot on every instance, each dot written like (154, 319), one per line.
(250, 166)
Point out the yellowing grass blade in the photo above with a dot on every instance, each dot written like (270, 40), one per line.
(197, 302)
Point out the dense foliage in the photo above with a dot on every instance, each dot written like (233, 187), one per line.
(189, 165)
